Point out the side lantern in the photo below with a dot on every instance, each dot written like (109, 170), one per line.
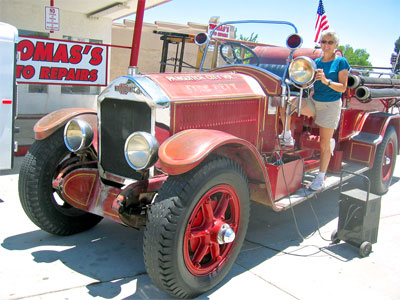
(78, 135)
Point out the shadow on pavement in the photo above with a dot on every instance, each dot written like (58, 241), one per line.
(111, 254)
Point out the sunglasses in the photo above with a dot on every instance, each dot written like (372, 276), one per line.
(328, 42)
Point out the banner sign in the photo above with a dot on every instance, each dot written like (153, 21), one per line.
(222, 31)
(49, 61)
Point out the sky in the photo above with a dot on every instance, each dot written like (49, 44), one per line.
(372, 25)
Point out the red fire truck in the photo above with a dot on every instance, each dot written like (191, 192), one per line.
(182, 154)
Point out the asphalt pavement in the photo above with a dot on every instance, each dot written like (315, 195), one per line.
(275, 262)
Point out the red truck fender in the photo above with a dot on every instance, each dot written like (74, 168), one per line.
(372, 129)
(187, 149)
(47, 125)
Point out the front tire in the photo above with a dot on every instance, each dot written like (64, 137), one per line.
(385, 160)
(40, 201)
(183, 250)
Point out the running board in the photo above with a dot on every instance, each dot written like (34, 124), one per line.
(331, 181)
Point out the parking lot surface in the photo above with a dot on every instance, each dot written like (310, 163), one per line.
(275, 262)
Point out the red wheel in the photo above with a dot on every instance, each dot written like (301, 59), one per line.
(385, 160)
(387, 165)
(211, 230)
(196, 228)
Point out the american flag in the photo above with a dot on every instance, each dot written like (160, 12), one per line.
(322, 21)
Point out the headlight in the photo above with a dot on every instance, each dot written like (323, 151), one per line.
(78, 135)
(302, 70)
(141, 150)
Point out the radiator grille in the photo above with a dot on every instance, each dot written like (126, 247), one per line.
(120, 118)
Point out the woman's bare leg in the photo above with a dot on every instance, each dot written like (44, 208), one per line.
(325, 155)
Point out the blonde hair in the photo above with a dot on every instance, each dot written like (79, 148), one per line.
(332, 34)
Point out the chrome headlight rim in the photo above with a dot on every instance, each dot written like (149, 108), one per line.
(149, 155)
(311, 69)
(75, 143)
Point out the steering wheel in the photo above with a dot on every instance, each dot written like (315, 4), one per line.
(232, 53)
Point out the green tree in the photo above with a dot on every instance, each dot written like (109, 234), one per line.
(358, 57)
(397, 46)
(252, 38)
(397, 50)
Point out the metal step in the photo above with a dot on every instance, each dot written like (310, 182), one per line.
(332, 180)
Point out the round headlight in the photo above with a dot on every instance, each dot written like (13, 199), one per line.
(302, 70)
(78, 135)
(141, 150)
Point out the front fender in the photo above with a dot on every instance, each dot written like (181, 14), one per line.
(47, 125)
(186, 149)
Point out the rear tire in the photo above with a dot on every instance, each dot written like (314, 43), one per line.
(39, 199)
(181, 250)
(385, 160)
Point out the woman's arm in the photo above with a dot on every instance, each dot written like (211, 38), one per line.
(340, 86)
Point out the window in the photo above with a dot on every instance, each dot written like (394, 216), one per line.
(37, 88)
(80, 89)
(77, 39)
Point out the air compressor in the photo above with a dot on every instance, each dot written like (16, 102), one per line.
(359, 214)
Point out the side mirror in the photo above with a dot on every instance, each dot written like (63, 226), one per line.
(294, 41)
(201, 38)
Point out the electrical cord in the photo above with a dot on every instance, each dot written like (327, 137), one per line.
(320, 249)
(292, 209)
(279, 161)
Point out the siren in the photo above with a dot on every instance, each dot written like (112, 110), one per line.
(201, 38)
(294, 41)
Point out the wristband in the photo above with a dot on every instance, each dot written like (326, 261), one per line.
(329, 82)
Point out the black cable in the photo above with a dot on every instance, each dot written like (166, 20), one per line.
(293, 213)
(320, 249)
(291, 206)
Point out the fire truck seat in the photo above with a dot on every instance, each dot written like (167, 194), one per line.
(274, 68)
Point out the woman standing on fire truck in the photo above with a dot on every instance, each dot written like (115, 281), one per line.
(326, 103)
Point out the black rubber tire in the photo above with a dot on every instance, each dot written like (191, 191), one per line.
(365, 249)
(37, 194)
(168, 219)
(378, 185)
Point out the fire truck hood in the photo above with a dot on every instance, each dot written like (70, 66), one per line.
(160, 89)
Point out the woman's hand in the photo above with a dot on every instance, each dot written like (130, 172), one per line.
(320, 75)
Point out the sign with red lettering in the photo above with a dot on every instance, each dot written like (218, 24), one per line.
(49, 61)
(52, 18)
(222, 31)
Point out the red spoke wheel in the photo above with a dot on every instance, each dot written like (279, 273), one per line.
(211, 230)
(196, 227)
(385, 160)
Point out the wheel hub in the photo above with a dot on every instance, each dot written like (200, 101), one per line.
(225, 235)
(211, 230)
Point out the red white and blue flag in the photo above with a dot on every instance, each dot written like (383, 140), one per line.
(322, 21)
